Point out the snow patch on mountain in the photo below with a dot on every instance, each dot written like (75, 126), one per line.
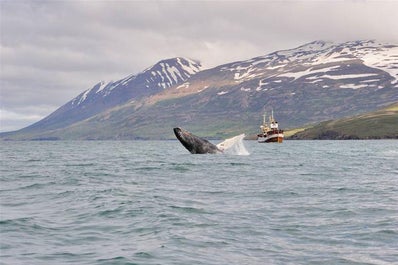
(170, 72)
(353, 86)
(83, 97)
(189, 66)
(309, 71)
(348, 76)
(386, 60)
(102, 85)
(184, 85)
(305, 52)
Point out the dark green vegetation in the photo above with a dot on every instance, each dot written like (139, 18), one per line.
(381, 124)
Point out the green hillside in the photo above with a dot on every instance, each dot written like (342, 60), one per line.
(381, 124)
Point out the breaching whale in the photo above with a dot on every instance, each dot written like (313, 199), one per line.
(195, 144)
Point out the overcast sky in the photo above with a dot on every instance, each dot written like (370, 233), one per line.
(51, 51)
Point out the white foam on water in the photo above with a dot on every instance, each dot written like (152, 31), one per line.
(234, 146)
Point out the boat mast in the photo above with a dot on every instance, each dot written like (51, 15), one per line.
(264, 117)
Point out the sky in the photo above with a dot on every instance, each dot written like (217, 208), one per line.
(51, 51)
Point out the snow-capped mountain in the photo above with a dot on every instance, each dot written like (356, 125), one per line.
(162, 75)
(106, 95)
(321, 61)
(314, 82)
(351, 65)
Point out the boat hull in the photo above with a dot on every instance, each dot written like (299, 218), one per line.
(271, 138)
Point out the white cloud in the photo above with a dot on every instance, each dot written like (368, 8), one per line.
(21, 117)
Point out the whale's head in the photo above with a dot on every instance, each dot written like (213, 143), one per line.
(195, 144)
(180, 133)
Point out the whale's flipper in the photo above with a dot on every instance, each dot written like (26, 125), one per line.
(195, 144)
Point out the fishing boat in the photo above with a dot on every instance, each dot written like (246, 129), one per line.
(270, 132)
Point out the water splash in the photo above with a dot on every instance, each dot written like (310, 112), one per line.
(234, 146)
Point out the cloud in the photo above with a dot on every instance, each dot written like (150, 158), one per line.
(51, 51)
(20, 117)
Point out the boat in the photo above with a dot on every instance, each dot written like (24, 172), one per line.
(270, 133)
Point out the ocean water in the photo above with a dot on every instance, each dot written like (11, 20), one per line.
(152, 202)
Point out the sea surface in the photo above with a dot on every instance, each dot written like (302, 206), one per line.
(152, 202)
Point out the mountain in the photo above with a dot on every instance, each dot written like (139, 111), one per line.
(381, 124)
(106, 95)
(315, 82)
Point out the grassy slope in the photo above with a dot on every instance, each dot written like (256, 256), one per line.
(381, 124)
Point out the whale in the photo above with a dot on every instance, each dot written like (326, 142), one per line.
(195, 144)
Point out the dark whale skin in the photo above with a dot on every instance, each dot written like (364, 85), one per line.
(195, 144)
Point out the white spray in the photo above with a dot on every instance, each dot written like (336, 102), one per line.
(234, 146)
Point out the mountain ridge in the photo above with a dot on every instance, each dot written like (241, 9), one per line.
(314, 82)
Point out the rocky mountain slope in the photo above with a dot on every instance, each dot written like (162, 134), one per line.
(314, 82)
